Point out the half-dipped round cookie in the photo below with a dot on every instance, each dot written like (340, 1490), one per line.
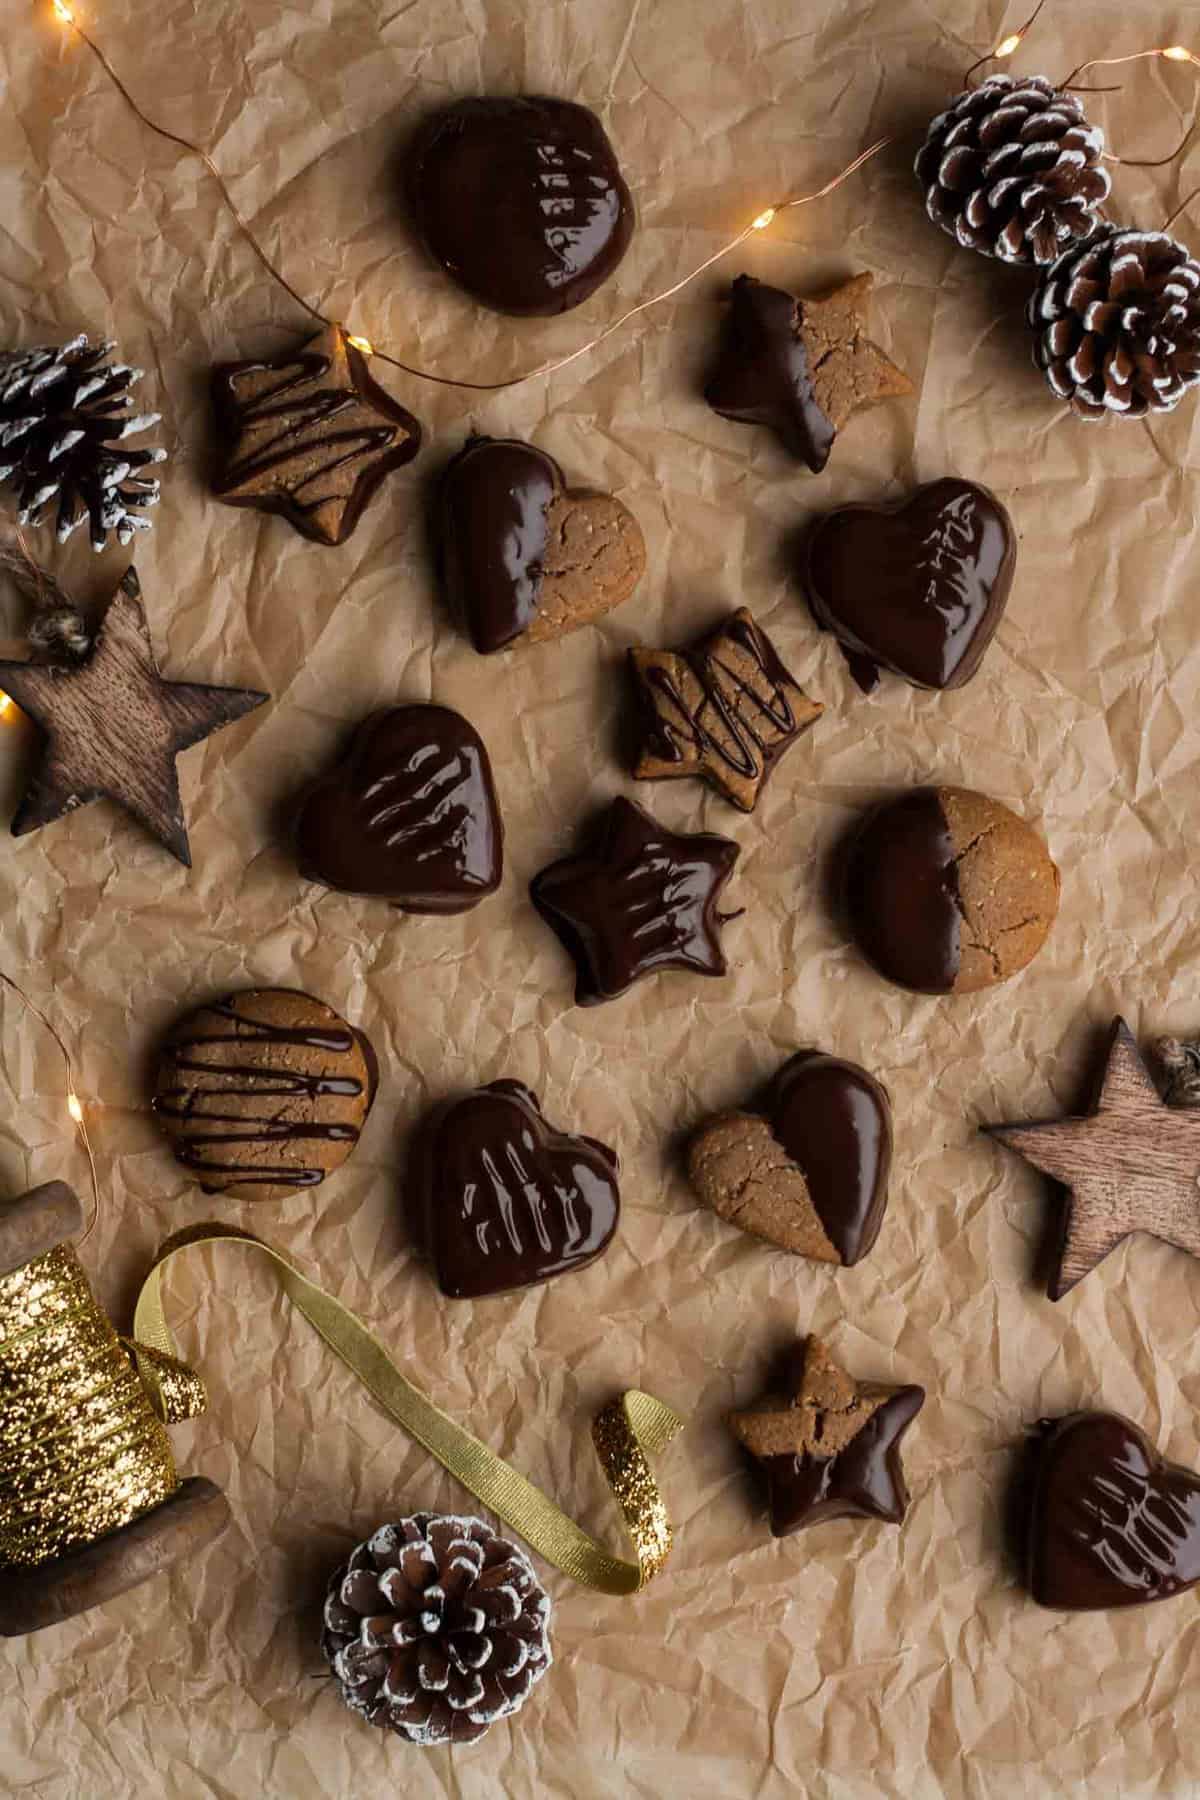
(809, 1172)
(524, 556)
(263, 1094)
(948, 891)
(409, 814)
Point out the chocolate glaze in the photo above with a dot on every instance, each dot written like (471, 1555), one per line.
(863, 1481)
(762, 377)
(917, 587)
(1113, 1522)
(500, 1200)
(264, 1081)
(835, 1122)
(493, 531)
(409, 815)
(638, 900)
(315, 433)
(521, 200)
(758, 727)
(902, 893)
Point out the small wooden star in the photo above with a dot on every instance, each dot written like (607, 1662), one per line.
(1131, 1164)
(113, 726)
(640, 899)
(831, 1448)
(800, 366)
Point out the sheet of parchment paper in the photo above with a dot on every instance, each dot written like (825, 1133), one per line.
(850, 1661)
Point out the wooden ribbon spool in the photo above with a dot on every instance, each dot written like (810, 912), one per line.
(32, 1597)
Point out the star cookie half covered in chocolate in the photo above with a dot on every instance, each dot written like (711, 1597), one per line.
(801, 367)
(831, 1448)
(309, 435)
(638, 900)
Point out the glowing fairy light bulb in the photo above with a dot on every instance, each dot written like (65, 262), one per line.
(361, 343)
(6, 706)
(62, 11)
(763, 219)
(1007, 45)
(1177, 53)
(74, 1107)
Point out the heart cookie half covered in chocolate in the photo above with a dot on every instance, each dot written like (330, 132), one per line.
(1113, 1522)
(918, 587)
(810, 1172)
(499, 1199)
(523, 555)
(409, 815)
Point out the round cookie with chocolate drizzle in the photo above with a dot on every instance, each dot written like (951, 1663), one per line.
(264, 1093)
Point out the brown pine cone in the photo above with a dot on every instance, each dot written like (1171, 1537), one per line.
(436, 1628)
(1012, 169)
(1118, 324)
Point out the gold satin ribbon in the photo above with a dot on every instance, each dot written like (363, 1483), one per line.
(626, 1433)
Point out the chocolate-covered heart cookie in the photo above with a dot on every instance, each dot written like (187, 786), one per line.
(523, 555)
(1113, 1522)
(409, 815)
(810, 1172)
(499, 1199)
(918, 587)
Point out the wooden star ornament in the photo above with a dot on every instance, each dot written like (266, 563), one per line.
(1131, 1164)
(112, 726)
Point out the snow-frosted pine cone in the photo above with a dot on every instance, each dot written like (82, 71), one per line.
(1117, 324)
(436, 1628)
(1012, 168)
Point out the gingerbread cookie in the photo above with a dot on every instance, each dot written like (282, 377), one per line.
(800, 367)
(809, 1173)
(264, 1093)
(726, 710)
(524, 556)
(830, 1445)
(948, 891)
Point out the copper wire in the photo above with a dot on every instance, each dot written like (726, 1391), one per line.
(490, 387)
(80, 1122)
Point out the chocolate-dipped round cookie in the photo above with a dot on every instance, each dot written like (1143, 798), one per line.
(264, 1093)
(521, 200)
(948, 891)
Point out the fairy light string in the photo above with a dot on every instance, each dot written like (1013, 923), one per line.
(67, 16)
(75, 1107)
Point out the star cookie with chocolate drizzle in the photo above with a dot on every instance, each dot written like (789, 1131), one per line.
(309, 435)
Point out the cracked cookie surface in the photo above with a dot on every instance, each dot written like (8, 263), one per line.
(948, 891)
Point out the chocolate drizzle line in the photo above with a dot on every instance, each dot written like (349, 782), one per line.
(267, 1082)
(297, 417)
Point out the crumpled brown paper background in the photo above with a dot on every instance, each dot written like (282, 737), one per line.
(852, 1661)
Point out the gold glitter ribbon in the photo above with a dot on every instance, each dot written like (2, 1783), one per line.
(626, 1433)
(81, 1450)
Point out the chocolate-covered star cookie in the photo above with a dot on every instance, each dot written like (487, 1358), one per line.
(309, 435)
(409, 815)
(800, 367)
(726, 710)
(830, 1448)
(637, 900)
